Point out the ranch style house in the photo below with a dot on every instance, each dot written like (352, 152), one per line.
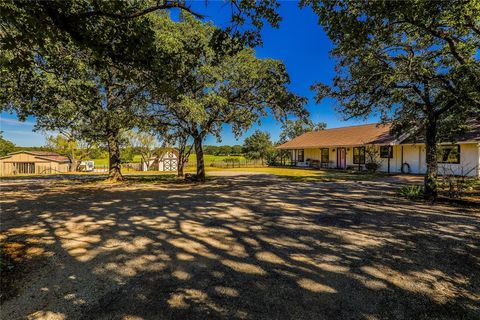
(349, 148)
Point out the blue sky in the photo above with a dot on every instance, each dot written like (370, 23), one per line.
(299, 42)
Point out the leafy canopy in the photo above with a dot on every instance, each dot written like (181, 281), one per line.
(294, 128)
(258, 145)
(404, 59)
(224, 87)
(6, 146)
(119, 30)
(415, 63)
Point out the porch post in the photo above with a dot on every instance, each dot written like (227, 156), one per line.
(401, 162)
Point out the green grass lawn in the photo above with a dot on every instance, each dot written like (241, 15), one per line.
(209, 159)
(306, 174)
(215, 163)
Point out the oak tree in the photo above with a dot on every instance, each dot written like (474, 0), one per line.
(415, 63)
(258, 145)
(294, 128)
(223, 87)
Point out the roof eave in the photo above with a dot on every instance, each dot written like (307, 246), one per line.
(59, 161)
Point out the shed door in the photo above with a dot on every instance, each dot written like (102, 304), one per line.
(170, 165)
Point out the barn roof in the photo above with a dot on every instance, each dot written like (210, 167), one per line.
(162, 152)
(44, 155)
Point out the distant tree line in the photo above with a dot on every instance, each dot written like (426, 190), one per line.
(223, 150)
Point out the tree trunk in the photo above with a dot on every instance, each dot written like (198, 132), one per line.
(430, 183)
(200, 163)
(74, 165)
(183, 154)
(114, 173)
(181, 164)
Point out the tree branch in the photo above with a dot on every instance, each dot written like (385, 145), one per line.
(159, 6)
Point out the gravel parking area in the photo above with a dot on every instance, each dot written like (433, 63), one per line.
(237, 247)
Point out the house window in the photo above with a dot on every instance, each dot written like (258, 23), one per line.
(300, 155)
(324, 155)
(359, 155)
(386, 152)
(448, 154)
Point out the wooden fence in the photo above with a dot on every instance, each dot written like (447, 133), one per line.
(231, 163)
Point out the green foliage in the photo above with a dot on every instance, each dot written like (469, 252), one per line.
(415, 63)
(472, 184)
(411, 191)
(127, 154)
(222, 87)
(63, 145)
(70, 88)
(294, 128)
(457, 184)
(97, 152)
(258, 145)
(402, 56)
(224, 150)
(372, 166)
(6, 146)
(121, 31)
(372, 158)
(105, 68)
(237, 90)
(236, 150)
(143, 143)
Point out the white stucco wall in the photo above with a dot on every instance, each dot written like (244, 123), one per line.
(395, 161)
(469, 161)
(313, 154)
(414, 155)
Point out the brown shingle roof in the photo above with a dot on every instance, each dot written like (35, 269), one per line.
(346, 136)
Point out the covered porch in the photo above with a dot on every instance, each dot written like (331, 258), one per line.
(347, 157)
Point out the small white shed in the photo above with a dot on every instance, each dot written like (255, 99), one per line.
(167, 160)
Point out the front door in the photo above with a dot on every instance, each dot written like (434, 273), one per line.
(341, 158)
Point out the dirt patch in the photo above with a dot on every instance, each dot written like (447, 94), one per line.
(17, 260)
(242, 247)
(10, 269)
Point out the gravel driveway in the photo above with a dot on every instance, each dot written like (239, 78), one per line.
(240, 247)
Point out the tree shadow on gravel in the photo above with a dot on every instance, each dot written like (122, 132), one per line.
(247, 247)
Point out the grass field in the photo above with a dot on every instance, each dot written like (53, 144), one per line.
(305, 174)
(209, 159)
